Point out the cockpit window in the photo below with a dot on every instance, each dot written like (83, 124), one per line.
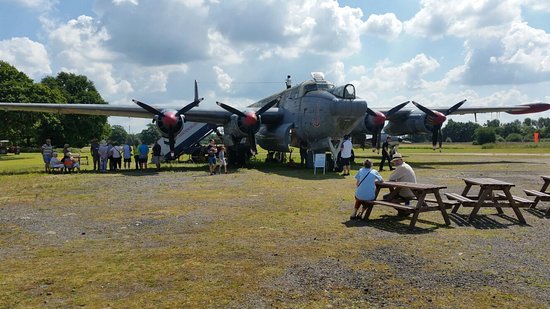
(345, 92)
(314, 86)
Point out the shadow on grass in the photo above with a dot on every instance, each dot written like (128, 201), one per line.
(538, 212)
(435, 165)
(395, 224)
(483, 222)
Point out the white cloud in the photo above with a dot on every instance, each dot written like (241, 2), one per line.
(123, 2)
(463, 18)
(42, 5)
(78, 47)
(224, 80)
(386, 26)
(26, 55)
(406, 76)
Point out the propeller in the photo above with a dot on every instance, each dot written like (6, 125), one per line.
(379, 121)
(249, 119)
(170, 119)
(437, 120)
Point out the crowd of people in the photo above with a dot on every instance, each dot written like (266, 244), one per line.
(108, 156)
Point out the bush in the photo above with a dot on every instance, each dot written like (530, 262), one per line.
(485, 135)
(514, 137)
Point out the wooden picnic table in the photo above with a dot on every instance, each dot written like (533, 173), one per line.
(488, 198)
(421, 203)
(541, 195)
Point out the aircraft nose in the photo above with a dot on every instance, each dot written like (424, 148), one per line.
(348, 107)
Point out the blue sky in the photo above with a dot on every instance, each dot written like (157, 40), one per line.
(491, 52)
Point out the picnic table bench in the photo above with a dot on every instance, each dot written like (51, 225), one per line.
(488, 198)
(540, 195)
(80, 157)
(417, 205)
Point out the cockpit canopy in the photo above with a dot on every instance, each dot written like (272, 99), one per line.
(345, 92)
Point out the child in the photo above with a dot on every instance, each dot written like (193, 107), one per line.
(221, 157)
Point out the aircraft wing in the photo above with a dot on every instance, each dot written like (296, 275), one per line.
(516, 110)
(219, 117)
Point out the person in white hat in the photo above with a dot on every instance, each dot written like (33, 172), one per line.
(402, 173)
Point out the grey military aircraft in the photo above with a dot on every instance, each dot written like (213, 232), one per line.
(425, 120)
(315, 111)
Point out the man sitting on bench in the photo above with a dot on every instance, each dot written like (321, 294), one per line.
(402, 173)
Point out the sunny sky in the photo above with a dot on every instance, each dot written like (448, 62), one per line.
(491, 52)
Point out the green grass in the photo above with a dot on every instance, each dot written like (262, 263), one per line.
(269, 236)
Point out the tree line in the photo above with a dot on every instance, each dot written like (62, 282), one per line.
(492, 131)
(32, 129)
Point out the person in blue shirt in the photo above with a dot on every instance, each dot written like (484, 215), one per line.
(366, 187)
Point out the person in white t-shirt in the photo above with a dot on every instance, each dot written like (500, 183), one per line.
(345, 154)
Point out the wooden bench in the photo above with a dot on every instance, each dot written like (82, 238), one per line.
(522, 202)
(79, 157)
(536, 193)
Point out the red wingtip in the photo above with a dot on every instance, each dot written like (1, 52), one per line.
(533, 108)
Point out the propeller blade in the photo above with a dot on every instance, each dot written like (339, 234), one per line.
(440, 137)
(379, 139)
(231, 109)
(396, 109)
(148, 108)
(426, 110)
(434, 137)
(189, 106)
(371, 112)
(171, 141)
(252, 141)
(374, 140)
(268, 106)
(454, 107)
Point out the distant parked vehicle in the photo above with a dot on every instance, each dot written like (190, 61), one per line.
(5, 147)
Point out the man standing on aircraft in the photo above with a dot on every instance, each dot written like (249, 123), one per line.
(386, 154)
(345, 154)
(288, 82)
(47, 151)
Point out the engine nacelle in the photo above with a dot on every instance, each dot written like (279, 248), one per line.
(415, 123)
(164, 128)
(366, 126)
(236, 128)
(276, 138)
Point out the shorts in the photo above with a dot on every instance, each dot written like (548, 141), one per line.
(155, 159)
(345, 161)
(212, 160)
(47, 158)
(127, 160)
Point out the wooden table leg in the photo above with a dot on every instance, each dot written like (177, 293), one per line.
(442, 208)
(482, 196)
(464, 193)
(514, 205)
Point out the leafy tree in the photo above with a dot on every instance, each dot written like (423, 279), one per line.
(460, 131)
(27, 128)
(150, 135)
(79, 129)
(484, 135)
(118, 134)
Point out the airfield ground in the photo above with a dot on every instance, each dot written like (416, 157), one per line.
(265, 237)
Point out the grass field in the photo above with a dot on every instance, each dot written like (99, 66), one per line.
(269, 236)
